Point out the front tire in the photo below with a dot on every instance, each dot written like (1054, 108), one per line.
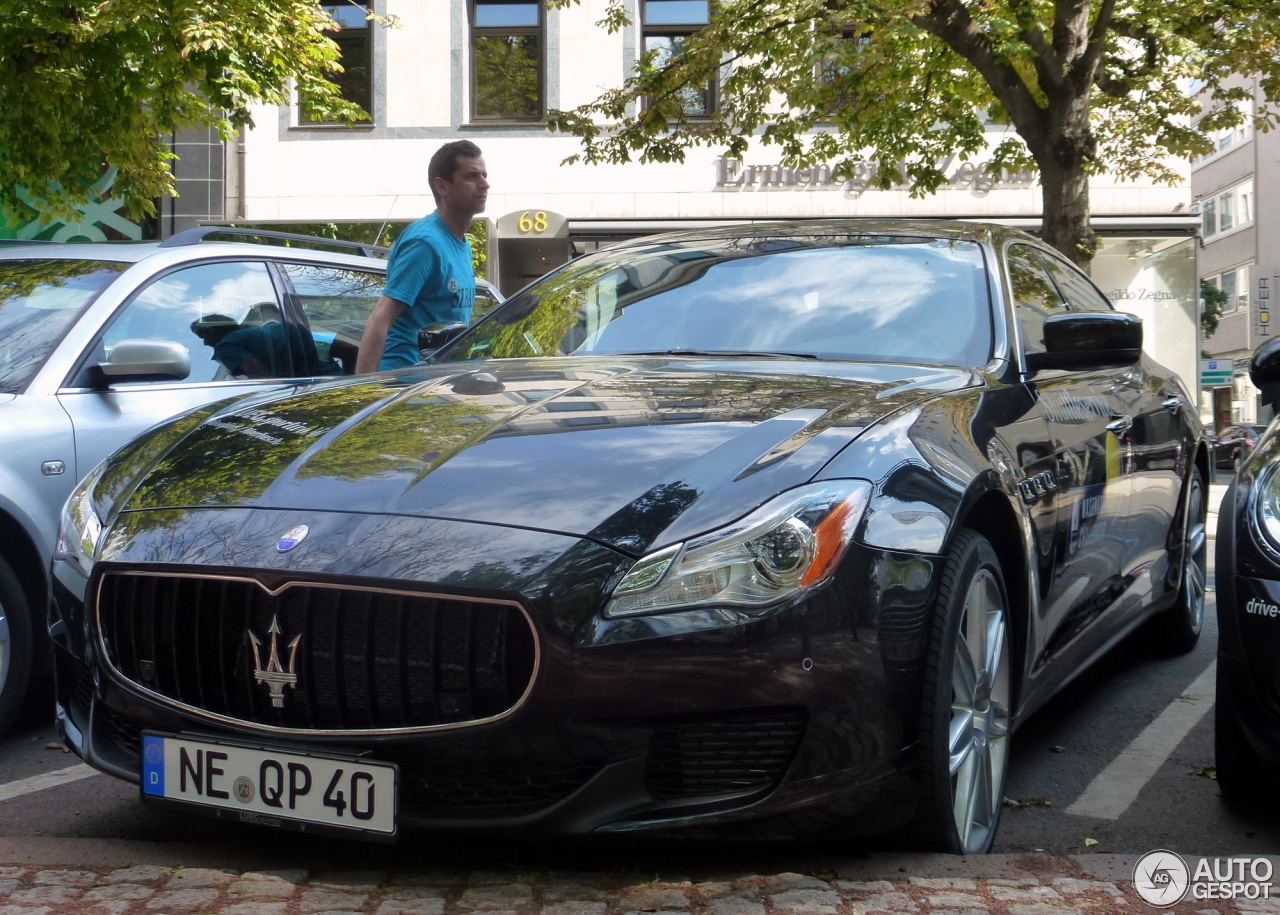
(1242, 775)
(15, 646)
(967, 703)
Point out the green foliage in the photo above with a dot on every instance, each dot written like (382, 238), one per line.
(1214, 300)
(102, 83)
(895, 87)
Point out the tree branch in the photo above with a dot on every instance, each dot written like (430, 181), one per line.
(1090, 63)
(950, 21)
(1046, 62)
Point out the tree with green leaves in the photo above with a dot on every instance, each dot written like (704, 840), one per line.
(95, 84)
(1213, 301)
(1086, 86)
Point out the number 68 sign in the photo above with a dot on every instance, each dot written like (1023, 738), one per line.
(532, 224)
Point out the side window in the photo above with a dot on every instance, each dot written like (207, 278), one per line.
(484, 303)
(1035, 297)
(1081, 294)
(227, 315)
(336, 302)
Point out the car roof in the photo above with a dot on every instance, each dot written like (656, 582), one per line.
(826, 228)
(133, 252)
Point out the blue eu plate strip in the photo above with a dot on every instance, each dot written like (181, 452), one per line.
(153, 765)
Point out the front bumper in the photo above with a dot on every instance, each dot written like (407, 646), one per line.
(1248, 602)
(798, 721)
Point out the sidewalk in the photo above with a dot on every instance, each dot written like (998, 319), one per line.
(873, 885)
(109, 878)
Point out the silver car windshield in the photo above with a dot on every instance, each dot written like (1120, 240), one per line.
(878, 298)
(39, 300)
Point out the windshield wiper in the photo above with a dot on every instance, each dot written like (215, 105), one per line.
(721, 352)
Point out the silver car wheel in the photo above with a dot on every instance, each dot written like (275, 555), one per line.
(979, 734)
(1195, 561)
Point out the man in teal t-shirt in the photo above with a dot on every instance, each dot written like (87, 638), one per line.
(429, 274)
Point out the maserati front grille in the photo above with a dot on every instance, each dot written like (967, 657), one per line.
(316, 656)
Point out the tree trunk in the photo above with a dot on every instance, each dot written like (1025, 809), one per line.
(1065, 196)
(1064, 161)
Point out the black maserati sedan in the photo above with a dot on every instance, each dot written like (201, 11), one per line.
(1247, 573)
(772, 531)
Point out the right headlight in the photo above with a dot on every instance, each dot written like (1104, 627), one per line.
(789, 545)
(80, 527)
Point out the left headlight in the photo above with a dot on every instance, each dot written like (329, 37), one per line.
(80, 527)
(789, 545)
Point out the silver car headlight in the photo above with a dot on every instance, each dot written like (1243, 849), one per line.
(789, 545)
(80, 527)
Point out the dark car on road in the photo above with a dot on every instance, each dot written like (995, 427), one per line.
(1247, 573)
(1232, 445)
(776, 530)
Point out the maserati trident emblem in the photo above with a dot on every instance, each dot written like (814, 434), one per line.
(275, 675)
(292, 537)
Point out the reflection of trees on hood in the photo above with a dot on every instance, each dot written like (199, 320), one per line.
(221, 464)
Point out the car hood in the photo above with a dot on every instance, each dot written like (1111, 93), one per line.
(633, 453)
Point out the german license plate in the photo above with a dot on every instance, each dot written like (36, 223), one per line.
(269, 786)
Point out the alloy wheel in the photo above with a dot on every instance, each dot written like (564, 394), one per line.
(978, 742)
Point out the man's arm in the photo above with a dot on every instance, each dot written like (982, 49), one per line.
(374, 340)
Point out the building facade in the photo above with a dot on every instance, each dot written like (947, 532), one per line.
(1240, 231)
(488, 71)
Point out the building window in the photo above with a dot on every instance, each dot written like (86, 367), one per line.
(1231, 137)
(506, 60)
(666, 26)
(1235, 283)
(1227, 210)
(354, 39)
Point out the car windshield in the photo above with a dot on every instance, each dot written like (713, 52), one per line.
(880, 298)
(39, 300)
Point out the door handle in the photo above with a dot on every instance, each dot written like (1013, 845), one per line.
(1120, 424)
(1173, 404)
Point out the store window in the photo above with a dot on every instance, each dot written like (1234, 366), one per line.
(666, 26)
(354, 39)
(1227, 210)
(506, 60)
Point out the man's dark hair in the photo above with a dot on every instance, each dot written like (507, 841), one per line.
(445, 162)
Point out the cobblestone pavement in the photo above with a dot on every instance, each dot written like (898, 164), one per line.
(148, 889)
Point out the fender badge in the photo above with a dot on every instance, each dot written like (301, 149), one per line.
(292, 537)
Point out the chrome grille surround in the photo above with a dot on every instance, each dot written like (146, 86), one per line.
(506, 665)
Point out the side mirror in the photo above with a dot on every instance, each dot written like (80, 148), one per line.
(1086, 340)
(434, 336)
(142, 360)
(1264, 370)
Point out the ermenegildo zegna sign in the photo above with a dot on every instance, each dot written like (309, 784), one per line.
(734, 174)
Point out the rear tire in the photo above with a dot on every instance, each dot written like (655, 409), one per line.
(1242, 774)
(1178, 629)
(15, 646)
(967, 703)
